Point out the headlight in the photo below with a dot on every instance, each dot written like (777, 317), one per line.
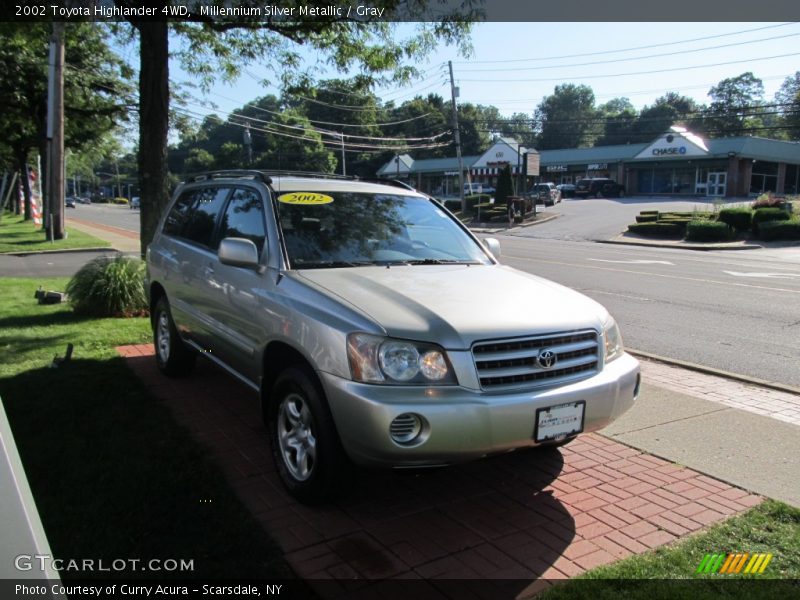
(613, 340)
(377, 359)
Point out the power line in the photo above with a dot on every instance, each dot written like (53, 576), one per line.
(733, 62)
(616, 60)
(647, 47)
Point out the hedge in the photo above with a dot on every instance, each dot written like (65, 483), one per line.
(662, 230)
(763, 215)
(738, 218)
(647, 218)
(702, 230)
(779, 230)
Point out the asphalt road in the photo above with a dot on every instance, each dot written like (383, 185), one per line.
(737, 311)
(733, 310)
(107, 214)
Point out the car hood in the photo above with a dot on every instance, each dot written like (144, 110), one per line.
(456, 305)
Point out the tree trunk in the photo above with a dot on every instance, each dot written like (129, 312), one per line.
(153, 125)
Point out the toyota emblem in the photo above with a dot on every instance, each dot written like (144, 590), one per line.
(546, 359)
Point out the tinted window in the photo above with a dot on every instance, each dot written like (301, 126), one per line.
(203, 217)
(244, 218)
(176, 219)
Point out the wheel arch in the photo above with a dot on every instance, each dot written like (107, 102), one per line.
(277, 357)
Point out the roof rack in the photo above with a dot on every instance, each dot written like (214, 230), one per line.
(392, 182)
(314, 174)
(233, 173)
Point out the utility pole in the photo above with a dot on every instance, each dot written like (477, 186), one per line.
(457, 133)
(344, 168)
(55, 135)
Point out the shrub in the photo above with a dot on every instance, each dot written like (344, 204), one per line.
(762, 215)
(738, 218)
(658, 230)
(769, 200)
(702, 230)
(647, 218)
(109, 287)
(453, 205)
(779, 230)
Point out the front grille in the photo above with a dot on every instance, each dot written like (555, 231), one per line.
(514, 363)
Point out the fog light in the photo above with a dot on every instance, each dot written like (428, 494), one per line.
(405, 428)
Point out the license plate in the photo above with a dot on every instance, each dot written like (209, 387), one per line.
(556, 422)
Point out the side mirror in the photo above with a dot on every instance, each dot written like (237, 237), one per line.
(492, 245)
(238, 252)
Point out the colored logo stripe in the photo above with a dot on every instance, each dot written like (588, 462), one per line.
(735, 562)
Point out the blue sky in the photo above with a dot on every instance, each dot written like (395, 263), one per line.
(514, 65)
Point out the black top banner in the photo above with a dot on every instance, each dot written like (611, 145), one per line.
(272, 11)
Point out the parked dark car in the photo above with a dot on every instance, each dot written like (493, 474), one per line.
(69, 202)
(567, 190)
(599, 187)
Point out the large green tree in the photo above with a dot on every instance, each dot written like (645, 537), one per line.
(669, 109)
(96, 95)
(223, 46)
(787, 100)
(568, 118)
(735, 107)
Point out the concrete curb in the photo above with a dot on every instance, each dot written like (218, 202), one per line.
(63, 251)
(781, 387)
(678, 246)
(485, 228)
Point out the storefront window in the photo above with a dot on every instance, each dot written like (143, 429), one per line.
(764, 178)
(667, 181)
(791, 183)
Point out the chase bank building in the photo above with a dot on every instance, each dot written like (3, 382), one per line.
(678, 162)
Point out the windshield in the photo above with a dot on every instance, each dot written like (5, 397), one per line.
(347, 229)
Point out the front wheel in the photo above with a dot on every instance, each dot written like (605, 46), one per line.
(621, 194)
(172, 356)
(305, 444)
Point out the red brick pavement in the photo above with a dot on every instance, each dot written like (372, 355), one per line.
(522, 516)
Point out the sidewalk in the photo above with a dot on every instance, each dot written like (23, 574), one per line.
(680, 460)
(120, 239)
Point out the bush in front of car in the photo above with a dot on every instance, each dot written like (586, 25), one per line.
(109, 287)
(702, 230)
(659, 230)
(740, 218)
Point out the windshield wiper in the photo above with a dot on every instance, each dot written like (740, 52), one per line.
(331, 264)
(436, 261)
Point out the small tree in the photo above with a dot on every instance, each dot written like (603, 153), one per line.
(505, 187)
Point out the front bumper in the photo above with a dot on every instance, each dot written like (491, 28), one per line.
(462, 424)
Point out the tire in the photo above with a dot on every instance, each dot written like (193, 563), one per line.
(173, 358)
(621, 194)
(305, 445)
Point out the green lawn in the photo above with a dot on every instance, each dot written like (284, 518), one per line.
(18, 235)
(113, 475)
(669, 572)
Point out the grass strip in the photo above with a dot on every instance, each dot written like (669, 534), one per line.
(670, 572)
(113, 475)
(18, 235)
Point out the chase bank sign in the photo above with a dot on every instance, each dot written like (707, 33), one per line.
(677, 144)
(671, 151)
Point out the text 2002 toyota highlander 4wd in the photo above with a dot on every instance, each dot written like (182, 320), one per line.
(375, 327)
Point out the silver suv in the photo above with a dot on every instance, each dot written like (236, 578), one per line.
(375, 327)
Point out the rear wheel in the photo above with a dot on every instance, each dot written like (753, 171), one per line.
(172, 355)
(305, 444)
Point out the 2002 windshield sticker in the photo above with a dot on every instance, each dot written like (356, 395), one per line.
(307, 198)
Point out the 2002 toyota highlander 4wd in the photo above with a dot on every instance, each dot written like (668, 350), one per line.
(375, 327)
